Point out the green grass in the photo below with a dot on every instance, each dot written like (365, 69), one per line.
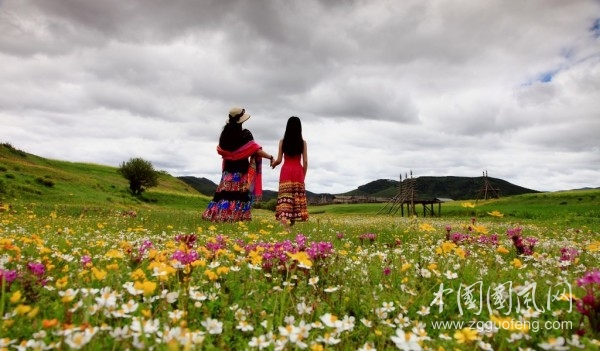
(352, 283)
(566, 209)
(47, 184)
(60, 214)
(74, 187)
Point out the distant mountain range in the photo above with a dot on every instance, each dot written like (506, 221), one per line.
(455, 188)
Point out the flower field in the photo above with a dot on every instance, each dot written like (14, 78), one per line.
(113, 280)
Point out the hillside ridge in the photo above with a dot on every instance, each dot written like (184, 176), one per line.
(427, 187)
(38, 180)
(45, 171)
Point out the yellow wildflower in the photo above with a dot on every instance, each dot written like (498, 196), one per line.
(508, 323)
(302, 258)
(22, 309)
(138, 274)
(152, 254)
(61, 283)
(480, 229)
(211, 275)
(460, 252)
(113, 253)
(594, 246)
(447, 247)
(44, 250)
(426, 227)
(99, 274)
(255, 257)
(199, 263)
(15, 297)
(147, 286)
(222, 270)
(517, 263)
(465, 336)
(31, 314)
(502, 250)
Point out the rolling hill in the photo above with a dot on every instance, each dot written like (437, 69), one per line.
(427, 187)
(35, 178)
(28, 178)
(456, 188)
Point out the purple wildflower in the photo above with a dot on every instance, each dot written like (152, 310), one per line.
(524, 246)
(7, 276)
(38, 269)
(185, 257)
(188, 239)
(589, 305)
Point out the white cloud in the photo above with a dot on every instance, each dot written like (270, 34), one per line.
(382, 87)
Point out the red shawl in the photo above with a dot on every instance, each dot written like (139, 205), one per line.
(254, 171)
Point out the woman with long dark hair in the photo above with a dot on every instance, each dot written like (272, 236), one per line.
(291, 199)
(241, 180)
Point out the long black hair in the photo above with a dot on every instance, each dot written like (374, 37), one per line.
(293, 144)
(232, 136)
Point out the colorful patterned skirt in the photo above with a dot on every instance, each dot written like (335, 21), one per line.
(291, 199)
(232, 201)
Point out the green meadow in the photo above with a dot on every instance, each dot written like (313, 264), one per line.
(83, 265)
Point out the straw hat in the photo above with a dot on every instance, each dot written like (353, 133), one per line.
(238, 115)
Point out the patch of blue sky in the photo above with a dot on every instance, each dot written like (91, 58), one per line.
(595, 28)
(545, 77)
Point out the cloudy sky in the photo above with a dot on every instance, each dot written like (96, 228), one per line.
(383, 88)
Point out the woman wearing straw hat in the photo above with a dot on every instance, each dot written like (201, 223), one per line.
(241, 180)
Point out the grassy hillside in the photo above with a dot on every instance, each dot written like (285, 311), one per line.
(202, 185)
(457, 188)
(27, 178)
(571, 209)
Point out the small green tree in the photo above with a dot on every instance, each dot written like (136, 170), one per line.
(140, 174)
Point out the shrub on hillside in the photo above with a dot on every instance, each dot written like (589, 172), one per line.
(46, 181)
(267, 205)
(140, 174)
